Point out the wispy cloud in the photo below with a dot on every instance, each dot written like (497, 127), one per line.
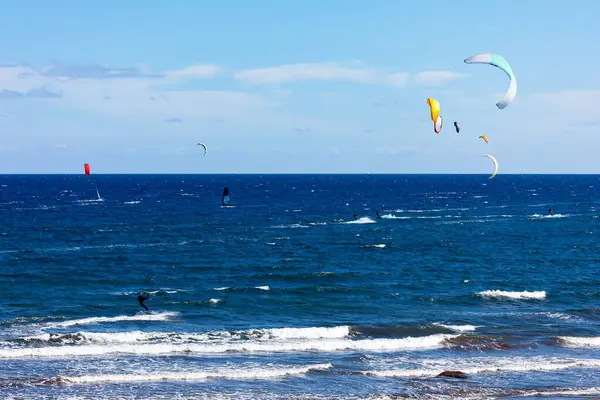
(399, 78)
(561, 109)
(194, 72)
(91, 71)
(174, 120)
(320, 72)
(40, 93)
(434, 78)
(131, 91)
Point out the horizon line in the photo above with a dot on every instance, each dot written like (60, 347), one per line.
(302, 173)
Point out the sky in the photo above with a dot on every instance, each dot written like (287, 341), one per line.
(296, 86)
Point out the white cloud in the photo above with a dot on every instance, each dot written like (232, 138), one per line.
(194, 72)
(582, 102)
(317, 71)
(437, 77)
(399, 79)
(122, 93)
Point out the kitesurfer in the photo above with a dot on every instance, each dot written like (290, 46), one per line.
(549, 211)
(355, 217)
(141, 299)
(378, 215)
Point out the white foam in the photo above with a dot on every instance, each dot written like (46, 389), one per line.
(164, 316)
(336, 332)
(292, 226)
(558, 315)
(579, 341)
(361, 220)
(230, 373)
(379, 246)
(227, 346)
(458, 328)
(169, 291)
(132, 202)
(567, 392)
(501, 294)
(262, 287)
(214, 301)
(221, 288)
(392, 216)
(310, 333)
(539, 216)
(471, 366)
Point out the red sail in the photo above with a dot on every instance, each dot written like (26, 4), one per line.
(87, 169)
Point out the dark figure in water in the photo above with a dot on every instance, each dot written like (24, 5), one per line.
(141, 299)
(382, 208)
(225, 196)
(549, 211)
(378, 215)
(355, 217)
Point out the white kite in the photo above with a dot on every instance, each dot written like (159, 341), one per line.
(499, 62)
(495, 164)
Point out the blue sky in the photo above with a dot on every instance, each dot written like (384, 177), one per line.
(296, 86)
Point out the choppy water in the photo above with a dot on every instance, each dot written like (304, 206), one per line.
(285, 295)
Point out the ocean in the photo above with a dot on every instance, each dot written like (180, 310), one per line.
(284, 295)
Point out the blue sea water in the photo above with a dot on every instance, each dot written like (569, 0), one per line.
(284, 295)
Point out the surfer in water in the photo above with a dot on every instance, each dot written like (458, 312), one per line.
(549, 211)
(378, 215)
(355, 217)
(141, 299)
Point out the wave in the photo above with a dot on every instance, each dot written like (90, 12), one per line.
(158, 291)
(458, 328)
(378, 246)
(487, 365)
(392, 216)
(337, 332)
(164, 316)
(579, 341)
(265, 287)
(228, 346)
(361, 220)
(223, 373)
(558, 315)
(540, 216)
(501, 294)
(291, 226)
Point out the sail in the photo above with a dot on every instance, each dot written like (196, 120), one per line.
(86, 168)
(225, 198)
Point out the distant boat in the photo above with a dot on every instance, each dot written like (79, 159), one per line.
(225, 199)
